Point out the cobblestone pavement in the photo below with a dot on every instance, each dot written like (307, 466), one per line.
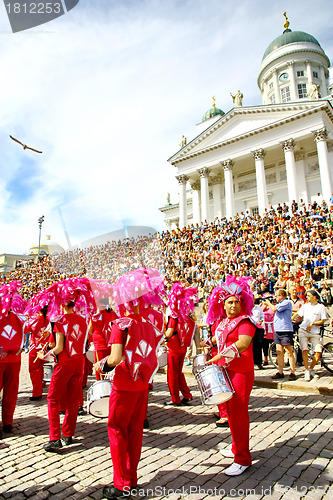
(291, 442)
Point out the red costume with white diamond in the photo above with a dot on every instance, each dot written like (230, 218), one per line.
(129, 396)
(37, 326)
(241, 374)
(66, 381)
(11, 342)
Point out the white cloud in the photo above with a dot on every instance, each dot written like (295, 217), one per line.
(107, 92)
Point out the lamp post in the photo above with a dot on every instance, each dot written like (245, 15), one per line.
(40, 222)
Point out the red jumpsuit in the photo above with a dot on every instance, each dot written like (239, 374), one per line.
(36, 326)
(11, 342)
(102, 323)
(129, 398)
(241, 374)
(66, 381)
(176, 355)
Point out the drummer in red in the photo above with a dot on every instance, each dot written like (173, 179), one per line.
(179, 335)
(71, 333)
(11, 344)
(233, 302)
(134, 342)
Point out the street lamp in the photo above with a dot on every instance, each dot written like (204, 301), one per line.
(40, 222)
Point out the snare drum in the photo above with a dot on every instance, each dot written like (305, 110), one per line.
(214, 384)
(90, 353)
(48, 370)
(199, 362)
(98, 398)
(162, 356)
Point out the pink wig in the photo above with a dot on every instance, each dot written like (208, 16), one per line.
(182, 300)
(233, 286)
(142, 287)
(10, 300)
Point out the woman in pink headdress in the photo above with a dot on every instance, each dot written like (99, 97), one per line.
(71, 330)
(11, 343)
(134, 341)
(232, 303)
(179, 335)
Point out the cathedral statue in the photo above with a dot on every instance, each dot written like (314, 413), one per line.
(168, 202)
(313, 91)
(237, 99)
(183, 141)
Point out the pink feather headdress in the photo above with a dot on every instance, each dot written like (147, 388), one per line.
(233, 286)
(10, 299)
(182, 300)
(101, 291)
(40, 300)
(142, 287)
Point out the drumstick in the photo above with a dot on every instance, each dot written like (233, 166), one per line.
(97, 359)
(42, 350)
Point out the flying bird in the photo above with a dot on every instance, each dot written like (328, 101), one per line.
(24, 145)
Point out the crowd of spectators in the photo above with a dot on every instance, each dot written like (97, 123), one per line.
(283, 247)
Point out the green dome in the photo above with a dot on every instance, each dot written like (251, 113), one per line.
(287, 37)
(212, 112)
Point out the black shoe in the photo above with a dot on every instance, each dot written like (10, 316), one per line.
(170, 403)
(277, 376)
(265, 363)
(81, 411)
(224, 423)
(67, 440)
(146, 423)
(292, 376)
(53, 445)
(111, 492)
(7, 428)
(260, 367)
(185, 401)
(35, 398)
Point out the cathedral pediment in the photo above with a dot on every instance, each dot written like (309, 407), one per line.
(242, 122)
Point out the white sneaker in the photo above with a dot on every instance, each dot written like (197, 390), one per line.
(307, 376)
(314, 374)
(226, 452)
(235, 469)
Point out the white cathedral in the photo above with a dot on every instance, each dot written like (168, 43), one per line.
(253, 157)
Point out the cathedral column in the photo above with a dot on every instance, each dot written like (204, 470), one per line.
(323, 87)
(182, 179)
(204, 173)
(276, 87)
(196, 202)
(325, 177)
(217, 182)
(229, 188)
(258, 156)
(308, 72)
(288, 148)
(293, 90)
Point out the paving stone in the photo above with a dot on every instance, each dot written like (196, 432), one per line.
(291, 443)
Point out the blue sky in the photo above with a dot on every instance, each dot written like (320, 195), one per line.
(106, 92)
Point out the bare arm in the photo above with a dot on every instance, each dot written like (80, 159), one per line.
(169, 332)
(116, 355)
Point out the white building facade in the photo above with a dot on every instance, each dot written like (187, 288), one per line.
(256, 156)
